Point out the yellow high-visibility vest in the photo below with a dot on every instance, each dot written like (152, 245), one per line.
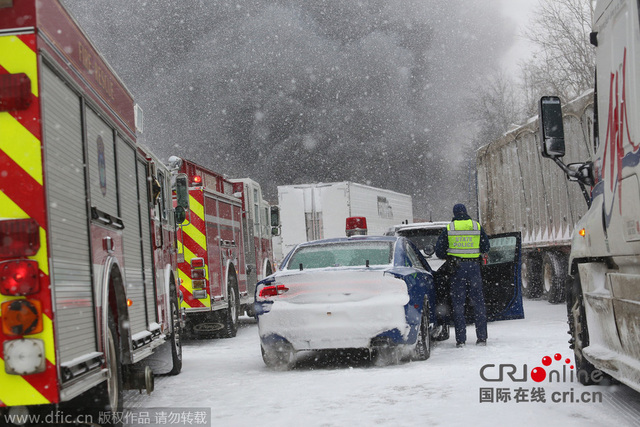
(464, 239)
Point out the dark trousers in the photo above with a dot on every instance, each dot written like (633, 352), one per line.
(467, 281)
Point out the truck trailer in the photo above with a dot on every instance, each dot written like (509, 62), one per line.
(319, 211)
(519, 191)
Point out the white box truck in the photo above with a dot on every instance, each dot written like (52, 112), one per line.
(319, 211)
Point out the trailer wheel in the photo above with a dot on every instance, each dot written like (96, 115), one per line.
(423, 341)
(554, 276)
(176, 338)
(230, 314)
(579, 332)
(531, 276)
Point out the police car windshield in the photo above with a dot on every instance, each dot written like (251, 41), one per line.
(343, 254)
(422, 238)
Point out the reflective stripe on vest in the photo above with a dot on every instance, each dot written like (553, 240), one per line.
(464, 239)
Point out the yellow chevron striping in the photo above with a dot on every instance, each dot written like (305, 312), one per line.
(196, 235)
(191, 230)
(16, 390)
(26, 152)
(16, 57)
(8, 209)
(196, 207)
(186, 281)
(47, 336)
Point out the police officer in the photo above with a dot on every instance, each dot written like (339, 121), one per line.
(461, 244)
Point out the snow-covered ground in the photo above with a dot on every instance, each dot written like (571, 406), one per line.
(229, 377)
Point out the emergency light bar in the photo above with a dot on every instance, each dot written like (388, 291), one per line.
(356, 226)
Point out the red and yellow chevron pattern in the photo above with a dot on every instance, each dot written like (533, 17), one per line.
(195, 245)
(22, 195)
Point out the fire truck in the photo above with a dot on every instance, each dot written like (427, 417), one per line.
(88, 268)
(224, 247)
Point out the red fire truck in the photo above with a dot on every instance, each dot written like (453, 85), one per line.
(88, 282)
(224, 247)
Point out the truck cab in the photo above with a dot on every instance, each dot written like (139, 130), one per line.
(603, 287)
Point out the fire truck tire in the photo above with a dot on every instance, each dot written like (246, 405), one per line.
(230, 314)
(579, 332)
(554, 267)
(531, 271)
(114, 383)
(106, 397)
(176, 338)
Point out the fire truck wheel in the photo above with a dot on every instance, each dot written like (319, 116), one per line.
(230, 314)
(554, 267)
(114, 383)
(176, 338)
(106, 397)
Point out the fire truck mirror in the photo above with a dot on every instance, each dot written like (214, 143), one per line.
(180, 214)
(275, 217)
(182, 192)
(275, 231)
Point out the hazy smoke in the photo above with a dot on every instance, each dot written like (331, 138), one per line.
(300, 91)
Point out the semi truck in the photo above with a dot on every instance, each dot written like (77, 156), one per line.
(603, 285)
(518, 191)
(88, 277)
(319, 211)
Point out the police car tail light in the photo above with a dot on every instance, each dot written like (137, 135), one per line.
(272, 291)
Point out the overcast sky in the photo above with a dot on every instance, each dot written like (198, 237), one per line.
(297, 91)
(521, 11)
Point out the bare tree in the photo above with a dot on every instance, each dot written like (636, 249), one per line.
(564, 61)
(495, 106)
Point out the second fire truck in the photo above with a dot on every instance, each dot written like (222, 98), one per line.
(224, 247)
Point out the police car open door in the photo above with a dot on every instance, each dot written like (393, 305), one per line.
(501, 278)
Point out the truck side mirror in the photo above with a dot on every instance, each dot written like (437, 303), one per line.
(275, 231)
(180, 214)
(275, 217)
(182, 198)
(551, 127)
